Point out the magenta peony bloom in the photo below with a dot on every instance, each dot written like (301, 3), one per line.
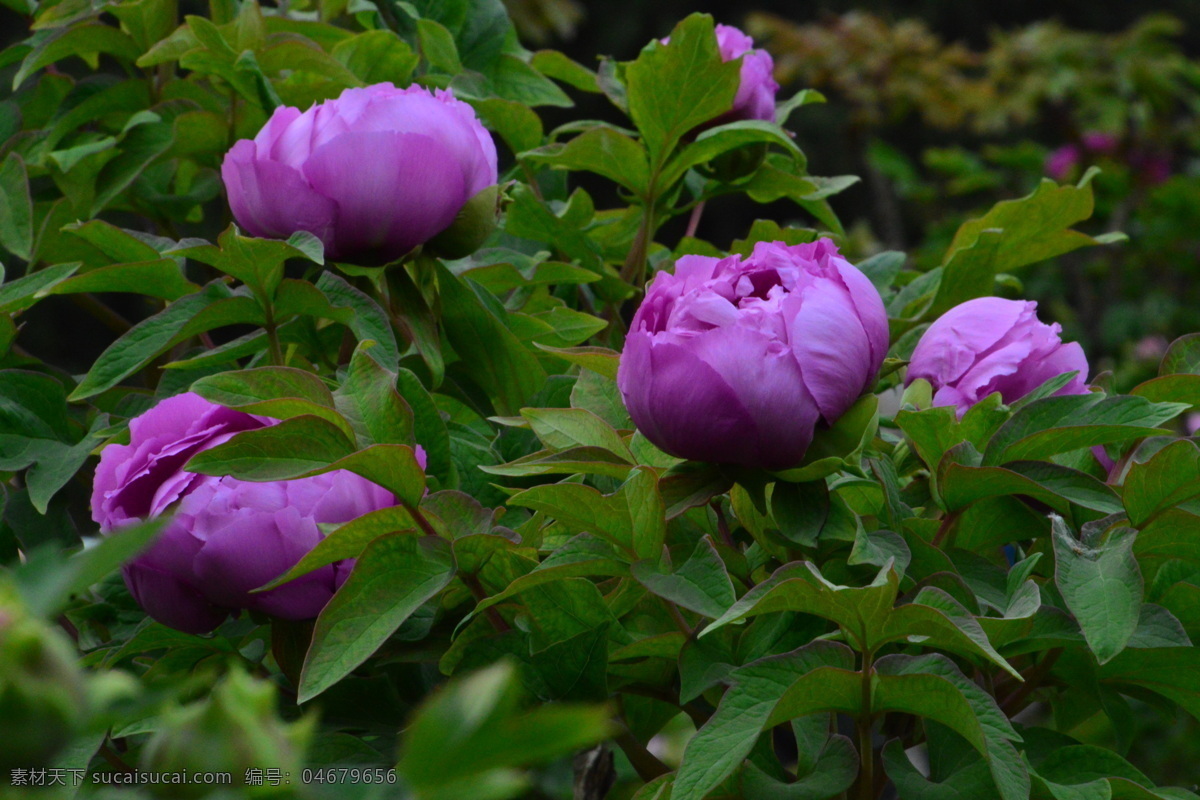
(991, 345)
(755, 97)
(227, 536)
(372, 174)
(737, 360)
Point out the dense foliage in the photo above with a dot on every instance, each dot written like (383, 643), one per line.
(969, 576)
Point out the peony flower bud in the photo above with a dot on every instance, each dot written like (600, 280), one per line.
(755, 97)
(738, 360)
(991, 345)
(227, 536)
(373, 173)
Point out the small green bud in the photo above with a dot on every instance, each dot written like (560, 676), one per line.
(235, 729)
(918, 395)
(470, 229)
(42, 697)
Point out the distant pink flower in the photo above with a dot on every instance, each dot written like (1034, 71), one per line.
(1061, 162)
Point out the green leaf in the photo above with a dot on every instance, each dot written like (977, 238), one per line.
(279, 392)
(936, 619)
(466, 740)
(368, 399)
(1082, 763)
(674, 87)
(631, 518)
(23, 292)
(722, 139)
(702, 584)
(288, 450)
(258, 263)
(974, 780)
(562, 428)
(139, 146)
(757, 689)
(90, 566)
(931, 686)
(211, 307)
(1173, 672)
(437, 46)
(1170, 389)
(1170, 535)
(369, 322)
(572, 461)
(601, 150)
(584, 555)
(57, 463)
(600, 395)
(1013, 234)
(377, 57)
(1182, 356)
(960, 485)
(1170, 477)
(481, 28)
(394, 576)
(600, 360)
(429, 429)
(16, 208)
(491, 355)
(833, 773)
(349, 540)
(159, 278)
(558, 66)
(1056, 425)
(801, 510)
(87, 41)
(1101, 584)
(860, 611)
(517, 124)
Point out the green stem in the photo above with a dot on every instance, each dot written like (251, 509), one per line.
(273, 340)
(647, 766)
(944, 530)
(866, 749)
(634, 269)
(477, 591)
(1033, 681)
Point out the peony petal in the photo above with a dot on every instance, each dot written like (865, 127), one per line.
(830, 345)
(273, 200)
(170, 600)
(394, 191)
(766, 379)
(871, 312)
(654, 375)
(957, 338)
(440, 116)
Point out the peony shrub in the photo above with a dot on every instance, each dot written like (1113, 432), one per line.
(674, 526)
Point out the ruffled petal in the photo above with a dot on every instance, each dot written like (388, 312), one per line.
(956, 339)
